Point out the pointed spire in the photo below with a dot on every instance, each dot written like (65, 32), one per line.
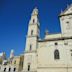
(67, 6)
(46, 32)
(35, 11)
(12, 53)
(61, 11)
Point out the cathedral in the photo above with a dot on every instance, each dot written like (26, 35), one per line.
(51, 54)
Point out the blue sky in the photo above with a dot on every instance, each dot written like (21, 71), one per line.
(15, 16)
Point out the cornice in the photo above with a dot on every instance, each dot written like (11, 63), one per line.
(55, 39)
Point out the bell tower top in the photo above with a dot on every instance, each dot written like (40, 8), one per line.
(34, 17)
(35, 11)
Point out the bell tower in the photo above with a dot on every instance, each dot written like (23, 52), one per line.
(30, 54)
(33, 32)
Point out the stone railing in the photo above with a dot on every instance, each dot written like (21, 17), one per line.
(29, 71)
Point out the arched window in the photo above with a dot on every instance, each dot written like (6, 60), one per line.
(4, 69)
(31, 32)
(30, 47)
(33, 20)
(9, 69)
(29, 67)
(56, 54)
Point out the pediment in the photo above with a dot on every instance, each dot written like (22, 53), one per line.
(68, 10)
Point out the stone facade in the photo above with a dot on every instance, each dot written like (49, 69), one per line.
(12, 65)
(52, 54)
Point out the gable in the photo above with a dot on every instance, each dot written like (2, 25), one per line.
(68, 10)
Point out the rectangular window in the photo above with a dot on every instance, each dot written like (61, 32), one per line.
(28, 67)
(9, 69)
(71, 53)
(31, 32)
(4, 69)
(14, 69)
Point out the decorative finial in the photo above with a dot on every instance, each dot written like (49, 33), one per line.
(35, 11)
(46, 32)
(67, 6)
(35, 7)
